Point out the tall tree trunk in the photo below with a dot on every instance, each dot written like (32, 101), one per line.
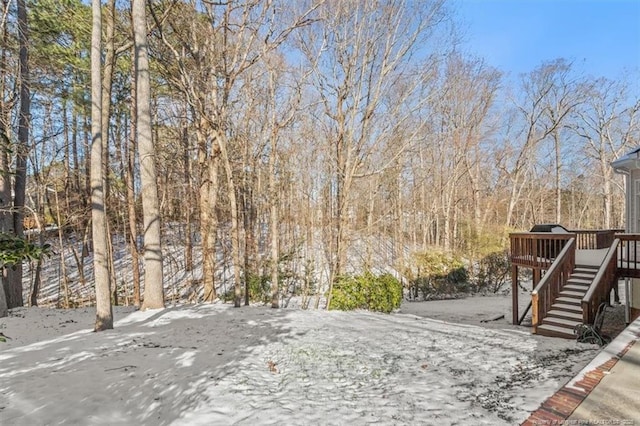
(399, 243)
(104, 312)
(6, 218)
(208, 193)
(235, 229)
(107, 82)
(66, 176)
(39, 216)
(558, 170)
(188, 214)
(153, 282)
(131, 195)
(607, 177)
(249, 185)
(77, 185)
(4, 311)
(338, 219)
(248, 232)
(63, 265)
(14, 276)
(273, 226)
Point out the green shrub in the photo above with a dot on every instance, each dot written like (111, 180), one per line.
(227, 296)
(16, 249)
(348, 294)
(479, 243)
(259, 288)
(382, 293)
(439, 274)
(493, 272)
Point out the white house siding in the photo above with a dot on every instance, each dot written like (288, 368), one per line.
(633, 226)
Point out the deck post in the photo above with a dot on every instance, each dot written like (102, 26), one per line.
(534, 312)
(514, 293)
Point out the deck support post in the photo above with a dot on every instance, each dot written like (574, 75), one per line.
(534, 312)
(514, 293)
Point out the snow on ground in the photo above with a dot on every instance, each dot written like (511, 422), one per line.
(215, 364)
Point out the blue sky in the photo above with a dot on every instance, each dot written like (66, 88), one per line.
(602, 37)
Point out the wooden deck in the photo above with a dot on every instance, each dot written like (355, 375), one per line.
(590, 257)
(563, 293)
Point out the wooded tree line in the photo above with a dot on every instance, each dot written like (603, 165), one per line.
(266, 136)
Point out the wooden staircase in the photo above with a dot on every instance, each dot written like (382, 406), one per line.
(566, 310)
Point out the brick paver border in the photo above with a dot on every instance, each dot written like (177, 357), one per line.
(559, 406)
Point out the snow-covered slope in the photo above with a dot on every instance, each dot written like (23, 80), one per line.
(213, 364)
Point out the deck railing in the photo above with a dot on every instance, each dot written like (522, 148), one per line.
(628, 263)
(593, 239)
(545, 293)
(600, 289)
(537, 249)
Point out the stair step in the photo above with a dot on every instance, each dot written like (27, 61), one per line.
(564, 307)
(586, 271)
(555, 331)
(576, 287)
(566, 312)
(584, 275)
(569, 301)
(569, 315)
(580, 281)
(573, 294)
(589, 268)
(561, 322)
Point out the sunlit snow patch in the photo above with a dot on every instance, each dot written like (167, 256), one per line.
(186, 359)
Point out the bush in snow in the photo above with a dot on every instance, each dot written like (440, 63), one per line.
(493, 272)
(259, 289)
(16, 249)
(439, 274)
(380, 293)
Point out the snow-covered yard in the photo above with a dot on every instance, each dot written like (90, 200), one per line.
(214, 364)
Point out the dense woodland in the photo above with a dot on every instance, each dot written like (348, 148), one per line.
(261, 134)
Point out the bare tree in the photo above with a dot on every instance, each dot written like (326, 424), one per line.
(154, 290)
(608, 125)
(537, 119)
(461, 110)
(108, 69)
(211, 63)
(360, 57)
(564, 97)
(129, 172)
(283, 108)
(104, 312)
(13, 285)
(188, 53)
(7, 103)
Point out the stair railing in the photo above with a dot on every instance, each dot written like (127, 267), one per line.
(554, 280)
(629, 255)
(593, 239)
(600, 289)
(537, 250)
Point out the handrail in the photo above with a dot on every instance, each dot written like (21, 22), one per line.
(545, 293)
(590, 239)
(600, 289)
(536, 249)
(629, 255)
